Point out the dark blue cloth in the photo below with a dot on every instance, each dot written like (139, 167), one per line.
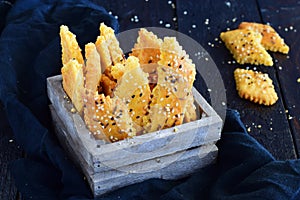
(30, 52)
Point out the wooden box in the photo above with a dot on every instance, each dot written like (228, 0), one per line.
(167, 154)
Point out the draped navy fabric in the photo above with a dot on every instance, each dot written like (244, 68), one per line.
(30, 52)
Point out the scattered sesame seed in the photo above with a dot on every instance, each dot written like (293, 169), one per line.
(228, 4)
(185, 12)
(160, 22)
(298, 80)
(249, 129)
(194, 26)
(73, 110)
(10, 141)
(206, 21)
(168, 25)
(259, 126)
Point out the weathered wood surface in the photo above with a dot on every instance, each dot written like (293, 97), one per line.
(284, 17)
(153, 155)
(275, 129)
(172, 166)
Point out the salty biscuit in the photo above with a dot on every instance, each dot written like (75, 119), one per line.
(92, 68)
(70, 47)
(147, 47)
(169, 98)
(116, 53)
(73, 83)
(178, 76)
(173, 56)
(112, 119)
(133, 88)
(255, 86)
(245, 45)
(102, 48)
(270, 40)
(92, 75)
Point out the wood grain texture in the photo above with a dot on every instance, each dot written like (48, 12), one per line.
(159, 154)
(9, 151)
(141, 13)
(284, 17)
(204, 22)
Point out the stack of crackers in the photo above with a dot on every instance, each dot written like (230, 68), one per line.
(250, 44)
(121, 97)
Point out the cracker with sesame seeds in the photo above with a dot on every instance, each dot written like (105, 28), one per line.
(169, 99)
(92, 74)
(110, 117)
(246, 47)
(176, 74)
(271, 40)
(255, 86)
(173, 56)
(133, 88)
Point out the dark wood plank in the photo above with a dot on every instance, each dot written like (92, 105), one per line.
(204, 22)
(141, 13)
(9, 151)
(284, 17)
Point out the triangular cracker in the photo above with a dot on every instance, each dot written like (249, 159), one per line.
(70, 47)
(168, 100)
(255, 86)
(92, 68)
(116, 53)
(245, 45)
(270, 40)
(110, 117)
(73, 83)
(147, 47)
(173, 56)
(133, 88)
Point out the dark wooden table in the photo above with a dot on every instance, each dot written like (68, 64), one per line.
(276, 127)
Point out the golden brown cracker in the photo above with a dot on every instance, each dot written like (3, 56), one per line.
(116, 53)
(73, 83)
(102, 48)
(169, 98)
(173, 56)
(245, 45)
(92, 68)
(110, 117)
(70, 47)
(270, 40)
(255, 86)
(147, 47)
(133, 88)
